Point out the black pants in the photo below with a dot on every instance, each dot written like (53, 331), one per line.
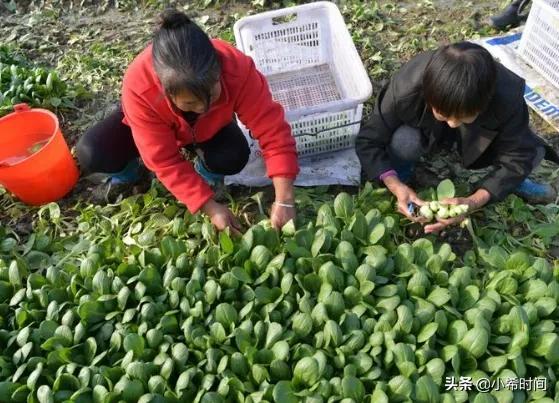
(108, 147)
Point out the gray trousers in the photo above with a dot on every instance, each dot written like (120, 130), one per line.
(406, 149)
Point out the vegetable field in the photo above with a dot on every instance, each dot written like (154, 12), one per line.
(140, 301)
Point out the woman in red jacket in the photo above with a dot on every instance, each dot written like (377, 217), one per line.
(183, 91)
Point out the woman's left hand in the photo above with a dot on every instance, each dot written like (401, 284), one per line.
(281, 215)
(285, 194)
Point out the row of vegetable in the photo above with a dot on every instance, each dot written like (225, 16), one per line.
(21, 81)
(142, 301)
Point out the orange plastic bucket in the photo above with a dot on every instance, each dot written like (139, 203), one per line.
(35, 162)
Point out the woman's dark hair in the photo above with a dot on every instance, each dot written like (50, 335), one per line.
(459, 81)
(184, 57)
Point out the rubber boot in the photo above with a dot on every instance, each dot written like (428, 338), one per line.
(536, 193)
(215, 180)
(130, 174)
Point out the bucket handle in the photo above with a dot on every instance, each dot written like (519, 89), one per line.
(23, 107)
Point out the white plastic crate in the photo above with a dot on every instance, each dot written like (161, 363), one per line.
(314, 72)
(539, 45)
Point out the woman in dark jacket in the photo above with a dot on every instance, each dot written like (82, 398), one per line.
(457, 91)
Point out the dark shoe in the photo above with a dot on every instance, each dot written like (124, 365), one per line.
(509, 18)
(133, 172)
(512, 16)
(110, 188)
(536, 193)
(108, 193)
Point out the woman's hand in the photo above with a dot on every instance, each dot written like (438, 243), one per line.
(283, 209)
(404, 195)
(281, 214)
(221, 217)
(474, 202)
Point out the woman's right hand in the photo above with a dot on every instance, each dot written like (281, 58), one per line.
(221, 217)
(404, 195)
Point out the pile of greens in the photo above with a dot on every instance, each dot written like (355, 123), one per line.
(21, 81)
(143, 302)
